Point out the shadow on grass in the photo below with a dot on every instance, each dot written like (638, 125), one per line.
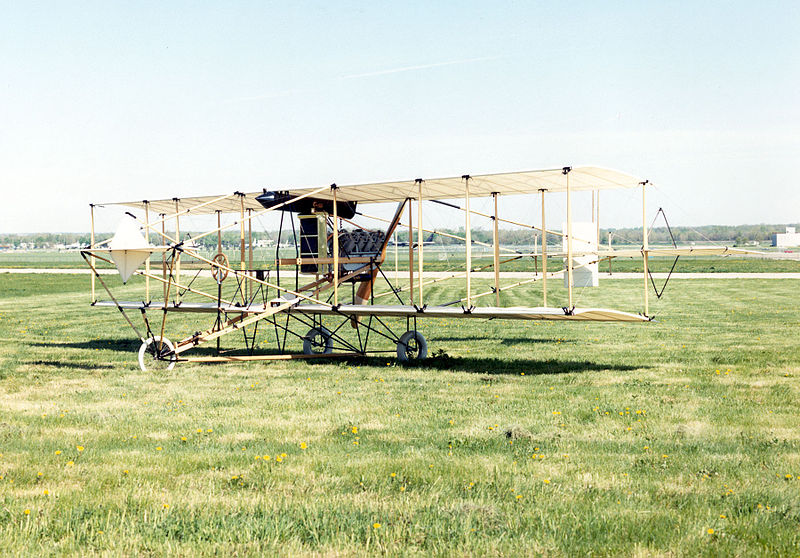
(503, 340)
(512, 366)
(74, 365)
(439, 361)
(122, 345)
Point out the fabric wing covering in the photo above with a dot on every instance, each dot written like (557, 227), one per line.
(484, 185)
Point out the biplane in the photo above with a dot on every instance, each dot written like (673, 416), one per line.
(323, 296)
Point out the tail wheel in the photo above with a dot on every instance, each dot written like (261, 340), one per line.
(157, 354)
(318, 341)
(412, 346)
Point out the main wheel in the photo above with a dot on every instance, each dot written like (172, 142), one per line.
(318, 341)
(412, 346)
(157, 354)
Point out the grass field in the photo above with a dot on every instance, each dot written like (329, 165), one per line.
(678, 437)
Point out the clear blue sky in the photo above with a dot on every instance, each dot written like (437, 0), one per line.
(106, 101)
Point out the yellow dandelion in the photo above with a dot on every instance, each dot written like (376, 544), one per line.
(376, 525)
(258, 457)
(210, 430)
(27, 512)
(46, 492)
(402, 489)
(279, 459)
(519, 496)
(125, 472)
(166, 506)
(159, 448)
(393, 475)
(58, 452)
(199, 430)
(40, 474)
(70, 463)
(546, 481)
(710, 531)
(303, 445)
(183, 438)
(80, 448)
(354, 430)
(266, 458)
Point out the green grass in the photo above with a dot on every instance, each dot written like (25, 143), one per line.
(645, 437)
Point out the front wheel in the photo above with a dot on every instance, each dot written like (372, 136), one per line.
(412, 346)
(318, 341)
(157, 354)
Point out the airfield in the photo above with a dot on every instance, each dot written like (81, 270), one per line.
(675, 437)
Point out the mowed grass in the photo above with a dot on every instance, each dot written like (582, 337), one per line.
(678, 437)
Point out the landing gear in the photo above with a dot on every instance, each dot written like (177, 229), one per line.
(318, 341)
(157, 354)
(412, 346)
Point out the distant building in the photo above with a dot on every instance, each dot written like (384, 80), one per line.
(789, 238)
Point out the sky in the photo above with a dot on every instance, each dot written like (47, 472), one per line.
(112, 101)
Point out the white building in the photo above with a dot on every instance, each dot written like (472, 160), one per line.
(789, 238)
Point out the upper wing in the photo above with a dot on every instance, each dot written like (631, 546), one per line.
(511, 183)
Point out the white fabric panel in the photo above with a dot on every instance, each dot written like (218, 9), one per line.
(128, 248)
(507, 184)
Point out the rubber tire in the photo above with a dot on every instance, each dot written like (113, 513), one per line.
(156, 339)
(402, 346)
(308, 343)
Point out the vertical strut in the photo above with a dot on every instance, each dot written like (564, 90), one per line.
(468, 237)
(91, 245)
(164, 254)
(644, 248)
(496, 244)
(249, 251)
(147, 261)
(420, 240)
(176, 257)
(410, 253)
(335, 247)
(569, 238)
(544, 254)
